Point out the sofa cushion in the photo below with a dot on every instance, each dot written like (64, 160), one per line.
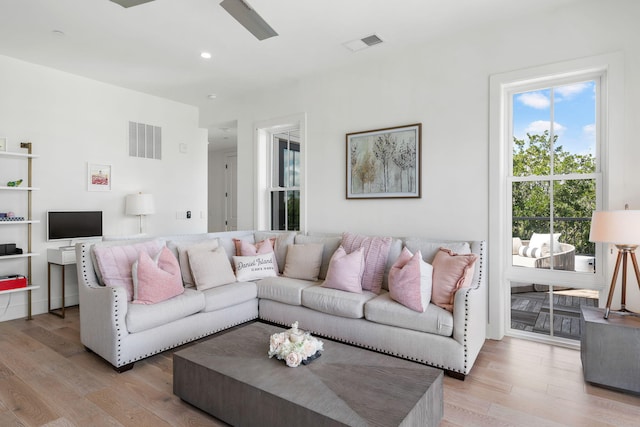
(141, 317)
(210, 268)
(283, 289)
(435, 320)
(156, 280)
(410, 281)
(336, 302)
(282, 241)
(255, 267)
(229, 295)
(330, 244)
(116, 260)
(376, 253)
(451, 271)
(346, 270)
(182, 248)
(429, 248)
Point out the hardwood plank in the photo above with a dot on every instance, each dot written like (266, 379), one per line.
(25, 403)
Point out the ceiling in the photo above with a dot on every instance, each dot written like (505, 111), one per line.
(155, 47)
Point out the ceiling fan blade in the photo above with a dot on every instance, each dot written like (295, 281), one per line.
(249, 18)
(130, 3)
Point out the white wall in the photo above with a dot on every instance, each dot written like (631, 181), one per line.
(445, 86)
(71, 121)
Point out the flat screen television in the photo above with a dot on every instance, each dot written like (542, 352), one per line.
(70, 225)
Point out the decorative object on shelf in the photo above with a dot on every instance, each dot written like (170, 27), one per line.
(10, 216)
(385, 163)
(14, 183)
(15, 281)
(622, 228)
(3, 144)
(99, 177)
(139, 204)
(294, 346)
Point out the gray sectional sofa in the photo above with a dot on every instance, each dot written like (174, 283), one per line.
(122, 332)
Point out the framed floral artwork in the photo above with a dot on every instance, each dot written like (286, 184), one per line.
(385, 163)
(99, 177)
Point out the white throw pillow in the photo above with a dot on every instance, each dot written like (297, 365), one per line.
(183, 257)
(255, 267)
(539, 240)
(210, 268)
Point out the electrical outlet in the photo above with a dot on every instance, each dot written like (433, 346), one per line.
(188, 214)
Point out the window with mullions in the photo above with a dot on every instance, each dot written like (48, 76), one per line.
(553, 183)
(285, 181)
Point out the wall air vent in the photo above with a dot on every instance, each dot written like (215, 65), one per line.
(145, 141)
(363, 43)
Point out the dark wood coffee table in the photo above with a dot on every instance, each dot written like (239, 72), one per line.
(231, 377)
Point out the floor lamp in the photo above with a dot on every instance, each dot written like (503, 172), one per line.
(139, 204)
(622, 228)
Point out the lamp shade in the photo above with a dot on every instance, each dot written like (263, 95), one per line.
(139, 204)
(618, 227)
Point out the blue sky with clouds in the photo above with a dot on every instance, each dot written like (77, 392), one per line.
(574, 115)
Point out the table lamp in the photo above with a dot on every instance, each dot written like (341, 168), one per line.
(622, 228)
(139, 204)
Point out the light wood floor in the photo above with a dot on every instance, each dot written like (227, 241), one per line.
(48, 379)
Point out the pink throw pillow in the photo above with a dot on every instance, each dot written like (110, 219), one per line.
(115, 262)
(451, 272)
(345, 271)
(376, 252)
(410, 281)
(244, 248)
(158, 280)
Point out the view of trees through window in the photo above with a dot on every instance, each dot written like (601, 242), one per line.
(574, 199)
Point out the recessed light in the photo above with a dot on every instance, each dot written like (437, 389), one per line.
(205, 55)
(212, 96)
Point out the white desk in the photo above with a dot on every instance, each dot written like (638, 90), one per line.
(62, 257)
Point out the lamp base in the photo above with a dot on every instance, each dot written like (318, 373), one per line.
(623, 252)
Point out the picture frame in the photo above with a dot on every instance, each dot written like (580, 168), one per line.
(3, 143)
(99, 177)
(385, 163)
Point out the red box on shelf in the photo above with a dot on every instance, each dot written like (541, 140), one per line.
(12, 282)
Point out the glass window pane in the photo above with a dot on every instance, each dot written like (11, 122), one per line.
(278, 210)
(293, 210)
(531, 133)
(575, 129)
(531, 208)
(573, 203)
(532, 304)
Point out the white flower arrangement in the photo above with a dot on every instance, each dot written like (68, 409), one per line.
(294, 346)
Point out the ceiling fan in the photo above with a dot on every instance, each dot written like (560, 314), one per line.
(239, 9)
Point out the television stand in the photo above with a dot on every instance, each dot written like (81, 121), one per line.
(61, 257)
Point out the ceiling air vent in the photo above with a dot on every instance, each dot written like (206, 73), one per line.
(363, 43)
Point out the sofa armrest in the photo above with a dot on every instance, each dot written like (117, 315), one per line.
(470, 310)
(102, 310)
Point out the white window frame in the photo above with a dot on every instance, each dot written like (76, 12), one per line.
(611, 67)
(263, 138)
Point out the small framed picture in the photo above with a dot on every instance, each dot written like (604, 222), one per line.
(3, 143)
(99, 177)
